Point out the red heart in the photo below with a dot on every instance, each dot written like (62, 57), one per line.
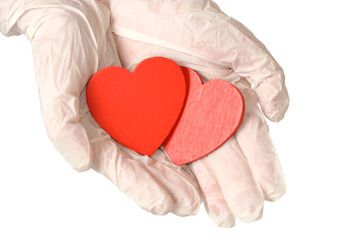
(211, 114)
(138, 109)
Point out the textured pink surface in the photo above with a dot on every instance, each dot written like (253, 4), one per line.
(211, 114)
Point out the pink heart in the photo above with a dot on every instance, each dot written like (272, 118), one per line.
(211, 114)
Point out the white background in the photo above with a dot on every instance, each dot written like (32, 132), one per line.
(317, 44)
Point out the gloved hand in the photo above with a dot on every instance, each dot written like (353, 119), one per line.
(236, 178)
(71, 41)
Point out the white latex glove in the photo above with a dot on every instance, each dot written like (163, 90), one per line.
(236, 178)
(71, 40)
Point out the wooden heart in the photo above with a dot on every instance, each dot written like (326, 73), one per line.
(211, 115)
(138, 109)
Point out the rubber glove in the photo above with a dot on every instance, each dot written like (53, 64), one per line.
(236, 178)
(71, 40)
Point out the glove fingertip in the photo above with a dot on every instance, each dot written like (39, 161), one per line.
(81, 164)
(276, 194)
(274, 102)
(255, 213)
(72, 142)
(278, 111)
